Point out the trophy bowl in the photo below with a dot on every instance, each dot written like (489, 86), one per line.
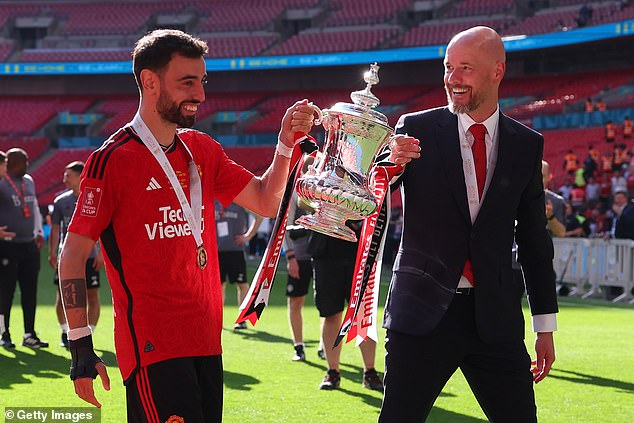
(337, 183)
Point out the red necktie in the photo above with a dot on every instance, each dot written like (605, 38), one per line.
(479, 150)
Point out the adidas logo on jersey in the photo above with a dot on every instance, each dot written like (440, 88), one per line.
(153, 185)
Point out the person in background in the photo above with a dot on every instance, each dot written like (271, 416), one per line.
(4, 234)
(624, 210)
(590, 164)
(333, 264)
(566, 189)
(63, 208)
(233, 233)
(627, 127)
(593, 191)
(571, 163)
(574, 222)
(20, 255)
(300, 273)
(610, 132)
(555, 205)
(577, 197)
(618, 182)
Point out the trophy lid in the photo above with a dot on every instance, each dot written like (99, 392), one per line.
(364, 100)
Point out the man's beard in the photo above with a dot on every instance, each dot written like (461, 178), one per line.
(476, 99)
(171, 112)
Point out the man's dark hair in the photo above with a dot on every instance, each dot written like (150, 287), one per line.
(76, 166)
(622, 192)
(154, 51)
(3, 157)
(16, 153)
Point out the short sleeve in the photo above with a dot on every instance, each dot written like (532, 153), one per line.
(56, 216)
(97, 195)
(229, 178)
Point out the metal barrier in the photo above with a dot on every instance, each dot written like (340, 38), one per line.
(592, 264)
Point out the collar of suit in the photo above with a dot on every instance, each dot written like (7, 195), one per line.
(500, 136)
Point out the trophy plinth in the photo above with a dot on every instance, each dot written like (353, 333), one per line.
(337, 185)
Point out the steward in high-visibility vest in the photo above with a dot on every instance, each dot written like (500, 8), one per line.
(627, 127)
(620, 158)
(606, 163)
(601, 107)
(610, 131)
(589, 105)
(570, 162)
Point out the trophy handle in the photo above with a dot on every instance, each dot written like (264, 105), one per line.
(318, 112)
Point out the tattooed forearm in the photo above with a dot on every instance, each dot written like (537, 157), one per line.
(73, 293)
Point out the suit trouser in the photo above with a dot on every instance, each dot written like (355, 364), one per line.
(19, 262)
(418, 367)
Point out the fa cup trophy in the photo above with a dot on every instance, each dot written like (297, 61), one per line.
(337, 184)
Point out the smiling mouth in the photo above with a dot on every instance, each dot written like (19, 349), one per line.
(458, 90)
(190, 107)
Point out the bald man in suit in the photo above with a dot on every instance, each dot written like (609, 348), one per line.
(453, 302)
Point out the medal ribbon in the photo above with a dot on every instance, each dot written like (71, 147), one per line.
(25, 207)
(193, 213)
(258, 296)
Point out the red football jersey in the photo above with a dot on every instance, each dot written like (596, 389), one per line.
(165, 306)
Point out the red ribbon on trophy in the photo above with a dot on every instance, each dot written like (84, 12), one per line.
(360, 320)
(258, 296)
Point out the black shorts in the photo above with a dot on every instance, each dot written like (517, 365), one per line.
(92, 276)
(179, 390)
(299, 287)
(233, 266)
(333, 279)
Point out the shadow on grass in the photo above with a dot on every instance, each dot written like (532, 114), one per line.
(258, 335)
(577, 377)
(239, 381)
(439, 415)
(42, 364)
(108, 357)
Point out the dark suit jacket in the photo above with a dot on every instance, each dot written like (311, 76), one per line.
(624, 226)
(438, 236)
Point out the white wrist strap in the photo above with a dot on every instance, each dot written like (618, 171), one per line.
(76, 333)
(284, 150)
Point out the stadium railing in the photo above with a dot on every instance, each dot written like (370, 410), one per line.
(590, 265)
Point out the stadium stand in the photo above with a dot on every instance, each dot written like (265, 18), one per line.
(480, 8)
(34, 146)
(48, 176)
(256, 159)
(440, 32)
(239, 45)
(347, 13)
(20, 115)
(107, 31)
(75, 55)
(318, 41)
(109, 18)
(6, 47)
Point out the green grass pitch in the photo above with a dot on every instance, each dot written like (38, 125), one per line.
(592, 380)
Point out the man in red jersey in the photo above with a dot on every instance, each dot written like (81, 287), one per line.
(148, 193)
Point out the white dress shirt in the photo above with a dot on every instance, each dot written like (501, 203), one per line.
(541, 322)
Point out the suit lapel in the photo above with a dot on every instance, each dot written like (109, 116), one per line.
(449, 146)
(503, 167)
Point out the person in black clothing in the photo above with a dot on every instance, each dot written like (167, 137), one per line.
(624, 227)
(333, 264)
